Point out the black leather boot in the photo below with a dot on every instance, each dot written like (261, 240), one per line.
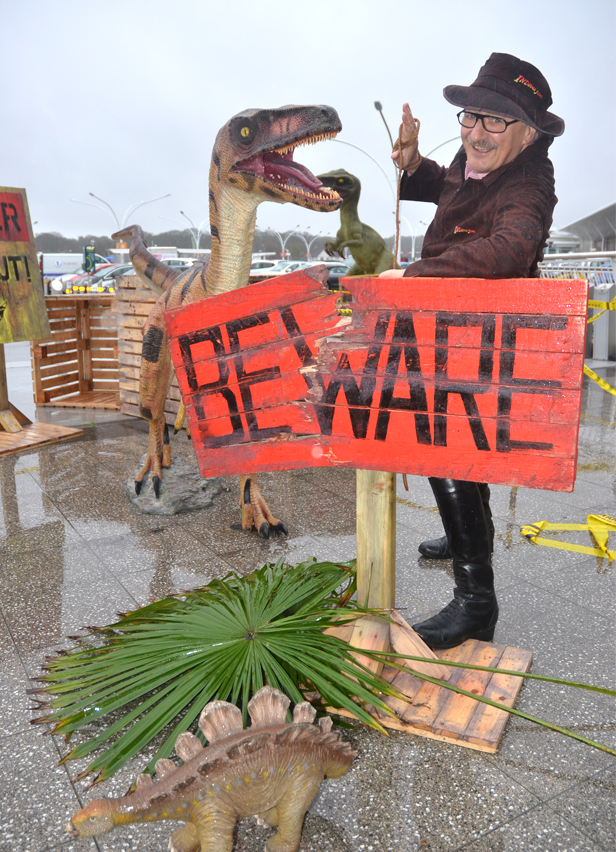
(473, 612)
(438, 548)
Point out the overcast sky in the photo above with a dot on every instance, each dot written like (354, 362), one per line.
(123, 98)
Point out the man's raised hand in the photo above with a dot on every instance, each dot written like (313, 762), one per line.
(406, 149)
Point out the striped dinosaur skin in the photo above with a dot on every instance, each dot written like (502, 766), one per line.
(252, 161)
(272, 770)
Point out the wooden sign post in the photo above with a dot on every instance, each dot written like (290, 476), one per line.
(23, 316)
(464, 378)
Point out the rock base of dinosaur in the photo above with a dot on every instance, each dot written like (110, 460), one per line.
(182, 490)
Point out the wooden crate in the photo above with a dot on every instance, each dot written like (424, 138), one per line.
(134, 301)
(77, 367)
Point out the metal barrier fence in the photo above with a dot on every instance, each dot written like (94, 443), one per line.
(599, 269)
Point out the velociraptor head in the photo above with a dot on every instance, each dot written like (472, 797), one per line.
(342, 181)
(254, 152)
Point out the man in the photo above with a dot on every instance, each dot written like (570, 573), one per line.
(495, 205)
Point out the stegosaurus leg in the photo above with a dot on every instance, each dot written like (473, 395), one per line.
(185, 839)
(255, 511)
(215, 831)
(291, 811)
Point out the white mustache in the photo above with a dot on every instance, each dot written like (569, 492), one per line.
(483, 146)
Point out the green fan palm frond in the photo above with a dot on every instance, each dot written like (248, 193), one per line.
(160, 665)
(163, 662)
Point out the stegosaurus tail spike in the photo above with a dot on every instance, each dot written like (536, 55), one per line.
(267, 707)
(325, 723)
(164, 766)
(219, 719)
(304, 713)
(187, 746)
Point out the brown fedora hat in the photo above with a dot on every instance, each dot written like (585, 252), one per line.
(511, 88)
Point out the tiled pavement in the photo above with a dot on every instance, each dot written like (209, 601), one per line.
(74, 552)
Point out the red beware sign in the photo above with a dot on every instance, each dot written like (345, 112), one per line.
(464, 378)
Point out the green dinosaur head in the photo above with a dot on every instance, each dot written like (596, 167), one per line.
(343, 182)
(254, 152)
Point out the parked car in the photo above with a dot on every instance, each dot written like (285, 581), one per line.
(259, 264)
(103, 280)
(283, 267)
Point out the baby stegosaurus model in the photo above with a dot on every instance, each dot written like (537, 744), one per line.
(272, 770)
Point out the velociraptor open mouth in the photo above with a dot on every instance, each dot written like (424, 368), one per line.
(278, 167)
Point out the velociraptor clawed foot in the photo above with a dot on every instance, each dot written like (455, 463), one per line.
(157, 456)
(255, 511)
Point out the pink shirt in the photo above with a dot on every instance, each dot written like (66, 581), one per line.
(470, 173)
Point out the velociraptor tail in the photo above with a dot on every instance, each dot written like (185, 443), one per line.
(157, 275)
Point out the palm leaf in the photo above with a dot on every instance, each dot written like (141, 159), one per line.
(163, 662)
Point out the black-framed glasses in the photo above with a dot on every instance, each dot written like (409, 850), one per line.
(491, 123)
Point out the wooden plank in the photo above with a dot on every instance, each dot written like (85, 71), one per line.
(455, 391)
(486, 726)
(477, 295)
(404, 640)
(376, 539)
(21, 293)
(431, 699)
(35, 435)
(371, 634)
(456, 713)
(98, 399)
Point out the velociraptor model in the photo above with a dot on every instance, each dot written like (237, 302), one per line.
(272, 769)
(252, 161)
(367, 247)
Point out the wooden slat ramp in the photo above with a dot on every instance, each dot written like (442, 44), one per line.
(35, 435)
(433, 711)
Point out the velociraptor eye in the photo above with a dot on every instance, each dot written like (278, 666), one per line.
(245, 131)
(340, 180)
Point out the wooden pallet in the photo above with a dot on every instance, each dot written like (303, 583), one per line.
(89, 399)
(438, 713)
(35, 435)
(77, 367)
(134, 301)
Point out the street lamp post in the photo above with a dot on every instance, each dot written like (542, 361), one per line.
(111, 212)
(195, 232)
(414, 236)
(285, 240)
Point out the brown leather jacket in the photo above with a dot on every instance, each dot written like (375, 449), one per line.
(491, 228)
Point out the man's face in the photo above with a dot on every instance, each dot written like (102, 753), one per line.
(486, 152)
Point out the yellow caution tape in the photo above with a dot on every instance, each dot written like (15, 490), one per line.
(599, 526)
(602, 307)
(601, 382)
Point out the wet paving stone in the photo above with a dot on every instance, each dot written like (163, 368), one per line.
(74, 552)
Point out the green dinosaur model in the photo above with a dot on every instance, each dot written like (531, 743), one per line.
(252, 162)
(272, 770)
(367, 248)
